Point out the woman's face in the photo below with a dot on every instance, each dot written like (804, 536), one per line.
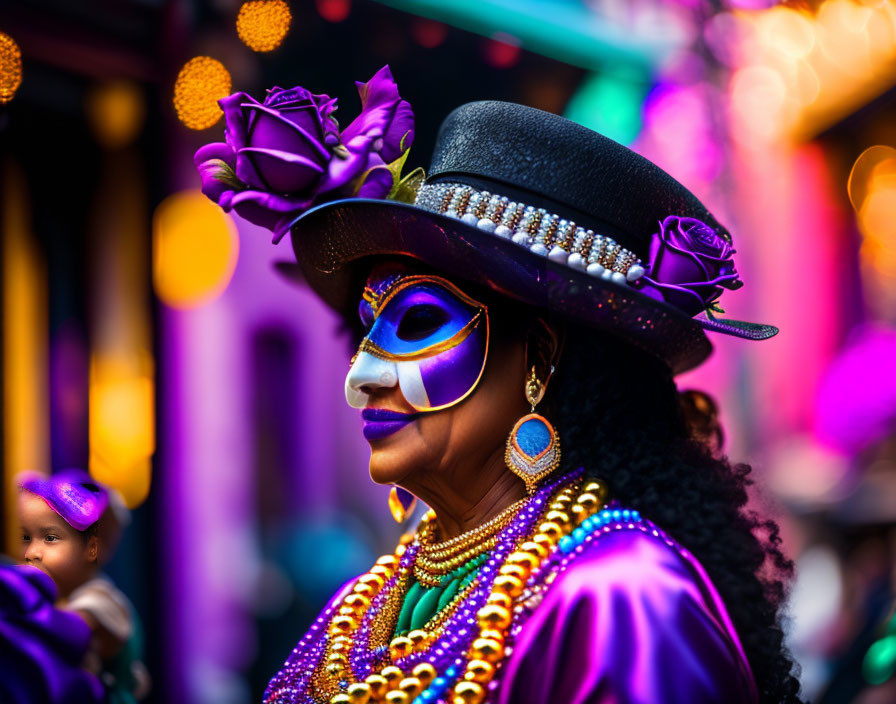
(436, 390)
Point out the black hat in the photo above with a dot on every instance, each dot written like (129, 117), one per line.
(548, 212)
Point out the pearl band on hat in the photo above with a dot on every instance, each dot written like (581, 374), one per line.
(541, 232)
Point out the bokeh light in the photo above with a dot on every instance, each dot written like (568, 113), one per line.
(860, 176)
(10, 67)
(334, 10)
(195, 249)
(116, 111)
(610, 103)
(755, 86)
(872, 192)
(201, 83)
(428, 33)
(830, 57)
(502, 50)
(263, 24)
(122, 426)
(789, 31)
(855, 404)
(678, 126)
(879, 664)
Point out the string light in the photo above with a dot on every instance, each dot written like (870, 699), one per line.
(263, 24)
(201, 83)
(10, 67)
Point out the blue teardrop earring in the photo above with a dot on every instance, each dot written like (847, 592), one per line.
(533, 447)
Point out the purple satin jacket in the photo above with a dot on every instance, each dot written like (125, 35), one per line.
(633, 621)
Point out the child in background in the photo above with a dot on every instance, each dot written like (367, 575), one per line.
(70, 527)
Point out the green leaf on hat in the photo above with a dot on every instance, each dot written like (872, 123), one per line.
(226, 175)
(395, 167)
(406, 189)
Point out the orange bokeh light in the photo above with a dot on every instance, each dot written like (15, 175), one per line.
(10, 67)
(116, 111)
(195, 249)
(831, 58)
(201, 83)
(122, 427)
(262, 25)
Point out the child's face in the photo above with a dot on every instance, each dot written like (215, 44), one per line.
(53, 546)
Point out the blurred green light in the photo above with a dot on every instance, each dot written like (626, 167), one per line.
(610, 103)
(880, 660)
(565, 30)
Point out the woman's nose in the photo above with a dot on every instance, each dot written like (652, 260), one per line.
(368, 373)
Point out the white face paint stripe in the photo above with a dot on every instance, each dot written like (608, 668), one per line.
(370, 372)
(410, 381)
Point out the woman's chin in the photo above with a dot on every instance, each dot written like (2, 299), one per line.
(391, 462)
(385, 471)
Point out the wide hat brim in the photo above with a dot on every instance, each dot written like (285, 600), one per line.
(332, 241)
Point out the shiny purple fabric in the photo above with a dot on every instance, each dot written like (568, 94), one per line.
(633, 621)
(41, 647)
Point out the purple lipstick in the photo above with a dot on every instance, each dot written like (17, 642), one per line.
(380, 423)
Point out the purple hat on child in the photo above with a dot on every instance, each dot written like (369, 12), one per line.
(72, 493)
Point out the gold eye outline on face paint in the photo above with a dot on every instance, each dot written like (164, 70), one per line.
(372, 348)
(377, 303)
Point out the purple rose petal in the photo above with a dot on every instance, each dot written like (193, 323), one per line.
(689, 264)
(212, 161)
(267, 209)
(284, 172)
(401, 127)
(235, 125)
(285, 155)
(360, 157)
(271, 129)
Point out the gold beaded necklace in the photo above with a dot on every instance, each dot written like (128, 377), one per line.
(436, 559)
(571, 505)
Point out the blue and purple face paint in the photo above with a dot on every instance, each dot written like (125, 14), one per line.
(424, 335)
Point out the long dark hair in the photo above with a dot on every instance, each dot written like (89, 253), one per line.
(619, 415)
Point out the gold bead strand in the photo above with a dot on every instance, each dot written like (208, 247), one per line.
(494, 619)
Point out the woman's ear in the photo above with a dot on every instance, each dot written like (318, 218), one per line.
(544, 345)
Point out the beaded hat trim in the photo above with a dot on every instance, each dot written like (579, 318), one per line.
(541, 232)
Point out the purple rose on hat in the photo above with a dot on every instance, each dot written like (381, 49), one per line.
(285, 155)
(689, 265)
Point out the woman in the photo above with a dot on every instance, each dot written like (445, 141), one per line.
(523, 286)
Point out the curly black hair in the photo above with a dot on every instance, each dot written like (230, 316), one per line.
(619, 416)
